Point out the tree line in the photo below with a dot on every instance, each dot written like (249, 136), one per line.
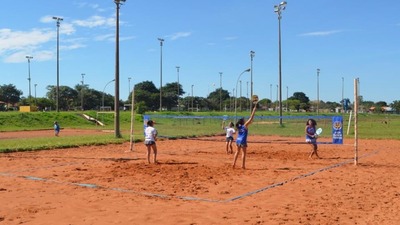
(147, 98)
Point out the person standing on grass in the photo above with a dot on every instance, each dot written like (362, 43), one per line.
(229, 136)
(241, 140)
(150, 141)
(311, 137)
(56, 128)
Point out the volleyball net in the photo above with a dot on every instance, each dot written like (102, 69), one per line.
(176, 126)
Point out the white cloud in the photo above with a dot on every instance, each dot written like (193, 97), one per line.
(95, 21)
(127, 38)
(15, 45)
(90, 5)
(44, 55)
(105, 37)
(18, 40)
(178, 35)
(20, 56)
(321, 33)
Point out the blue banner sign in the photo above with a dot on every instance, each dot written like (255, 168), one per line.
(337, 130)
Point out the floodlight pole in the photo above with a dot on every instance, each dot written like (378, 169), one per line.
(117, 132)
(129, 85)
(252, 54)
(287, 97)
(220, 91)
(278, 10)
(58, 19)
(83, 82)
(161, 59)
(342, 94)
(177, 71)
(270, 93)
(35, 96)
(29, 78)
(192, 96)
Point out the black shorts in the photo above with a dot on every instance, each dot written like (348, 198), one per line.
(149, 142)
(228, 139)
(241, 145)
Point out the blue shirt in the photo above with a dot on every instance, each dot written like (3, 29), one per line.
(242, 135)
(310, 131)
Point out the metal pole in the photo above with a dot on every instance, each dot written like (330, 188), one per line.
(280, 74)
(270, 93)
(58, 19)
(277, 97)
(240, 96)
(192, 97)
(342, 94)
(278, 9)
(220, 91)
(177, 71)
(161, 45)
(247, 93)
(35, 96)
(252, 54)
(29, 78)
(116, 97)
(129, 85)
(318, 70)
(287, 97)
(83, 82)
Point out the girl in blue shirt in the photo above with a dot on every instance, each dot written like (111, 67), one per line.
(241, 140)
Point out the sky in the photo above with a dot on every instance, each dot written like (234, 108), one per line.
(210, 41)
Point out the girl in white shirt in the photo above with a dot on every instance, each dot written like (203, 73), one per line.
(150, 140)
(229, 136)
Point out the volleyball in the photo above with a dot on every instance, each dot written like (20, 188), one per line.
(254, 99)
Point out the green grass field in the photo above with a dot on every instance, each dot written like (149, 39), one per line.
(178, 125)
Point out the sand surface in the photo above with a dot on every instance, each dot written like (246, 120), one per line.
(195, 184)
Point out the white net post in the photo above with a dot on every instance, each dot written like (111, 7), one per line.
(356, 99)
(132, 120)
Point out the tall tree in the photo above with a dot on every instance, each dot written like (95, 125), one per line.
(10, 94)
(170, 95)
(215, 97)
(67, 96)
(147, 93)
(303, 101)
(396, 105)
(301, 97)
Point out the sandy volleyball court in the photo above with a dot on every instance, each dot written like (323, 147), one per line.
(195, 184)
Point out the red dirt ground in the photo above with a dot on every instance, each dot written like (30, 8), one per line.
(195, 184)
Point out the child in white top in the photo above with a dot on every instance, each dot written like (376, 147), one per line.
(229, 136)
(150, 140)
